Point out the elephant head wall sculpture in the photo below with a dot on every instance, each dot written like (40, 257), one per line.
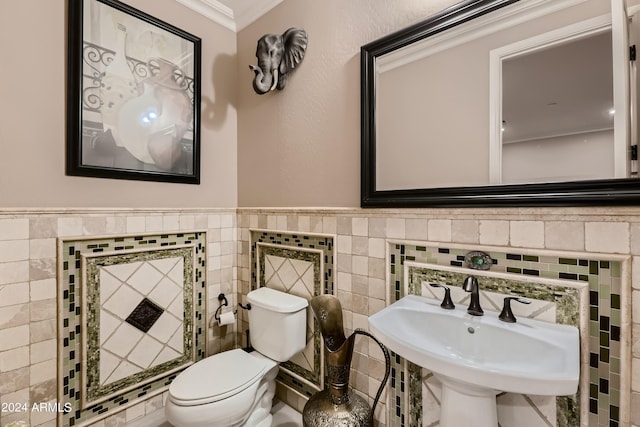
(277, 56)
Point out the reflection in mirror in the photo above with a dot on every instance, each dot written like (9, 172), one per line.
(431, 116)
(557, 108)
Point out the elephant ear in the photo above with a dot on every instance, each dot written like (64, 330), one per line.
(295, 45)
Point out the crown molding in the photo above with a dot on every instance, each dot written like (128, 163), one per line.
(234, 18)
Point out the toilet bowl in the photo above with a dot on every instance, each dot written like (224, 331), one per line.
(236, 388)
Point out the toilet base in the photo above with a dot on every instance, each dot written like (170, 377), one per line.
(257, 413)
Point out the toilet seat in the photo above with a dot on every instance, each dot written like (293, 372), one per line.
(217, 377)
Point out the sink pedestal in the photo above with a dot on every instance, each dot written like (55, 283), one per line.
(463, 404)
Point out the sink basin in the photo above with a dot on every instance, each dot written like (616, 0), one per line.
(481, 356)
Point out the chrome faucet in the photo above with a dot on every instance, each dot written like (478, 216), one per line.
(471, 285)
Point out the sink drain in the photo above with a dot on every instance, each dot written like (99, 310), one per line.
(471, 330)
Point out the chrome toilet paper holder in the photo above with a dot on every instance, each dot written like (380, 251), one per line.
(225, 303)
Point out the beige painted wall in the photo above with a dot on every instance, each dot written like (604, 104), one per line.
(301, 146)
(32, 115)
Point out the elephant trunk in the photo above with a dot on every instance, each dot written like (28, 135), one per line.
(266, 77)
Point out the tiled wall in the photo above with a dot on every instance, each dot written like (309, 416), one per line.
(28, 336)
(28, 274)
(362, 238)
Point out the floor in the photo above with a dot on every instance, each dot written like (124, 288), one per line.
(283, 416)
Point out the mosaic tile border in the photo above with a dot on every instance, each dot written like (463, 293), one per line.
(93, 393)
(315, 378)
(71, 327)
(323, 242)
(607, 276)
(566, 298)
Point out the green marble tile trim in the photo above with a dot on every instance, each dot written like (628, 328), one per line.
(71, 327)
(296, 242)
(93, 391)
(596, 272)
(315, 258)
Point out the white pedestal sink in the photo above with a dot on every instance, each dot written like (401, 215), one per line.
(476, 358)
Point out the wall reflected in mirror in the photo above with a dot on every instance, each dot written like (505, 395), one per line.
(434, 121)
(558, 112)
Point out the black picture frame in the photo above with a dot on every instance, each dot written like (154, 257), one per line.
(608, 192)
(133, 95)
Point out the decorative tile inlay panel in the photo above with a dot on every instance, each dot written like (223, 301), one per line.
(300, 265)
(132, 316)
(604, 391)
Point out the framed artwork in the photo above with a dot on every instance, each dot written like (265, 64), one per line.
(133, 103)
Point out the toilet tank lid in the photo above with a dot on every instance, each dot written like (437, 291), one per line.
(277, 301)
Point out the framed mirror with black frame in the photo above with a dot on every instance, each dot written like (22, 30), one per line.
(432, 142)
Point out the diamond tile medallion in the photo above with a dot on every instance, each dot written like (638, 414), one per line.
(299, 264)
(132, 318)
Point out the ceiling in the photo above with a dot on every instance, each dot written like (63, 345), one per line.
(562, 90)
(233, 14)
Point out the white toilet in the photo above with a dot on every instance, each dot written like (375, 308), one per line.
(236, 388)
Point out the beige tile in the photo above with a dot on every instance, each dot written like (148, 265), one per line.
(94, 225)
(527, 234)
(153, 223)
(396, 228)
(564, 235)
(43, 227)
(43, 350)
(42, 289)
(14, 272)
(494, 232)
(634, 230)
(329, 225)
(14, 229)
(13, 380)
(171, 223)
(417, 229)
(15, 337)
(134, 412)
(610, 237)
(439, 230)
(635, 408)
(360, 226)
(213, 221)
(360, 245)
(360, 265)
(377, 248)
(14, 250)
(43, 309)
(44, 391)
(187, 222)
(635, 307)
(14, 315)
(70, 226)
(43, 330)
(16, 293)
(136, 224)
(42, 248)
(377, 268)
(343, 244)
(116, 224)
(40, 269)
(14, 359)
(377, 227)
(465, 231)
(635, 375)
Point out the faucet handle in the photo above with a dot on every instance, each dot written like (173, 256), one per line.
(506, 315)
(447, 303)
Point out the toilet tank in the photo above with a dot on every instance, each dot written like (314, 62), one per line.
(277, 323)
